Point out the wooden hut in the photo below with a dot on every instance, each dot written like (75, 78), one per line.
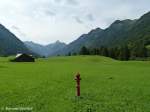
(23, 58)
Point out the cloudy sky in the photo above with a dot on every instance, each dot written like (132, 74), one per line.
(45, 21)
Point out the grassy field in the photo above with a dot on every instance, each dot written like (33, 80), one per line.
(48, 85)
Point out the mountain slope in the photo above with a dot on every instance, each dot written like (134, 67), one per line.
(37, 48)
(10, 44)
(127, 32)
(140, 32)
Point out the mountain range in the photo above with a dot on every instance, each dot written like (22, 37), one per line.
(129, 32)
(121, 32)
(45, 50)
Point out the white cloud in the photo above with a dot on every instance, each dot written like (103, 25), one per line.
(45, 21)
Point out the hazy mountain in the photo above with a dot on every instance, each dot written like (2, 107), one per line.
(10, 44)
(46, 50)
(37, 48)
(118, 33)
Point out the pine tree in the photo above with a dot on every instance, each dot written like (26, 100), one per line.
(139, 50)
(142, 51)
(69, 54)
(104, 51)
(124, 53)
(74, 54)
(84, 51)
(111, 52)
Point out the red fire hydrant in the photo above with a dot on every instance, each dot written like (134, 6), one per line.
(78, 83)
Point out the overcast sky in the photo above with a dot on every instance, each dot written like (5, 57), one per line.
(45, 21)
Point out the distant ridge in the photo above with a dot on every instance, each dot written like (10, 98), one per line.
(46, 50)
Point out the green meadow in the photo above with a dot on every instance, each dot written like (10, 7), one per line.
(48, 85)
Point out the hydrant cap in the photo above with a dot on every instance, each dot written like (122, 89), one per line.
(78, 75)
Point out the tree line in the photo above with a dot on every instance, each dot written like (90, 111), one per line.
(120, 53)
